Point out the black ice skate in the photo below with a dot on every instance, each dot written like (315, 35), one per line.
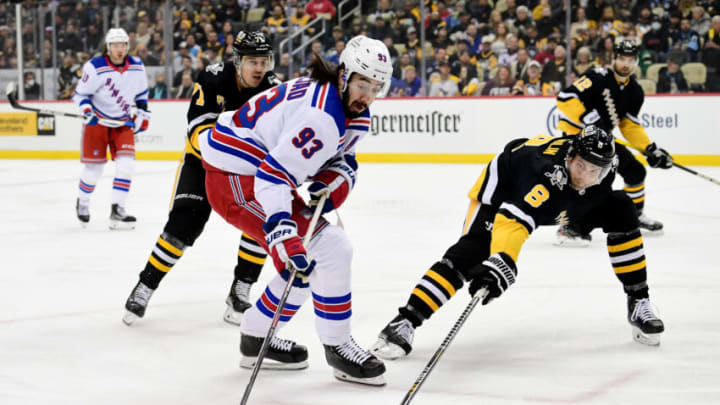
(646, 326)
(568, 236)
(137, 302)
(352, 363)
(119, 219)
(650, 226)
(395, 340)
(238, 301)
(83, 213)
(282, 354)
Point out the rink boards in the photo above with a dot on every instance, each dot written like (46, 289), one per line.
(410, 130)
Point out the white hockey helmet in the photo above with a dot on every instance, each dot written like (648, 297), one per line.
(368, 57)
(117, 35)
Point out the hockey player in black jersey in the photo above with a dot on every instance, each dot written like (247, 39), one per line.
(541, 181)
(220, 87)
(612, 98)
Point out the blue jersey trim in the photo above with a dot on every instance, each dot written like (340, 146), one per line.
(334, 107)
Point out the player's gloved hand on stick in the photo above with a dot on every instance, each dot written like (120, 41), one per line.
(141, 120)
(497, 273)
(658, 157)
(285, 245)
(90, 117)
(336, 180)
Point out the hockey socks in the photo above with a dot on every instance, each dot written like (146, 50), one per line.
(88, 180)
(435, 288)
(166, 252)
(125, 167)
(636, 194)
(627, 257)
(251, 258)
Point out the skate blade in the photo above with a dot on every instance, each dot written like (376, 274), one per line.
(83, 225)
(232, 317)
(653, 233)
(129, 318)
(270, 364)
(375, 381)
(121, 226)
(386, 350)
(571, 243)
(648, 339)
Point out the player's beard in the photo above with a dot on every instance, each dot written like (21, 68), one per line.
(348, 107)
(621, 73)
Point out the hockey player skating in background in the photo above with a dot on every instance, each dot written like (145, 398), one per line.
(109, 87)
(220, 87)
(612, 98)
(541, 181)
(255, 158)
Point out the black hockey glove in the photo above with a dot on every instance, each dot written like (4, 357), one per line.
(497, 273)
(658, 157)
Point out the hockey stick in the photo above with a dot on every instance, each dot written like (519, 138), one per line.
(281, 302)
(679, 166)
(479, 296)
(703, 176)
(11, 93)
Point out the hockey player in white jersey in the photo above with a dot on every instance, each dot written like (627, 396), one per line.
(109, 87)
(256, 157)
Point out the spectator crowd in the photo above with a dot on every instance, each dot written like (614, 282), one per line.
(473, 47)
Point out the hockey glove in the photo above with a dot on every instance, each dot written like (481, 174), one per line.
(497, 274)
(285, 245)
(658, 157)
(336, 180)
(90, 117)
(141, 120)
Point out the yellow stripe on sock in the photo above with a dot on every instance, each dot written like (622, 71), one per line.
(638, 200)
(159, 265)
(632, 189)
(420, 294)
(625, 246)
(628, 269)
(441, 280)
(170, 248)
(250, 258)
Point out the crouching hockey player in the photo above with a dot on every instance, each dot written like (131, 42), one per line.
(541, 181)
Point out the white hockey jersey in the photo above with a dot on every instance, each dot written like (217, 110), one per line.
(111, 90)
(283, 136)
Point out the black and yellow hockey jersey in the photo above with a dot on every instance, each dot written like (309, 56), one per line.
(598, 98)
(528, 185)
(216, 91)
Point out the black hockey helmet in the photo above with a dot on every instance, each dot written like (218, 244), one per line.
(594, 145)
(251, 43)
(625, 47)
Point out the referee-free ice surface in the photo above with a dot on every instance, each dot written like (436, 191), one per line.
(558, 336)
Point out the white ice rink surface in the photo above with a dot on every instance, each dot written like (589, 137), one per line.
(559, 336)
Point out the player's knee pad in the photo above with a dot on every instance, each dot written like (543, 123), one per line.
(623, 214)
(91, 172)
(125, 166)
(332, 250)
(186, 222)
(446, 269)
(173, 240)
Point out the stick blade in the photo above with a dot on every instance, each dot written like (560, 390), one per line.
(11, 93)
